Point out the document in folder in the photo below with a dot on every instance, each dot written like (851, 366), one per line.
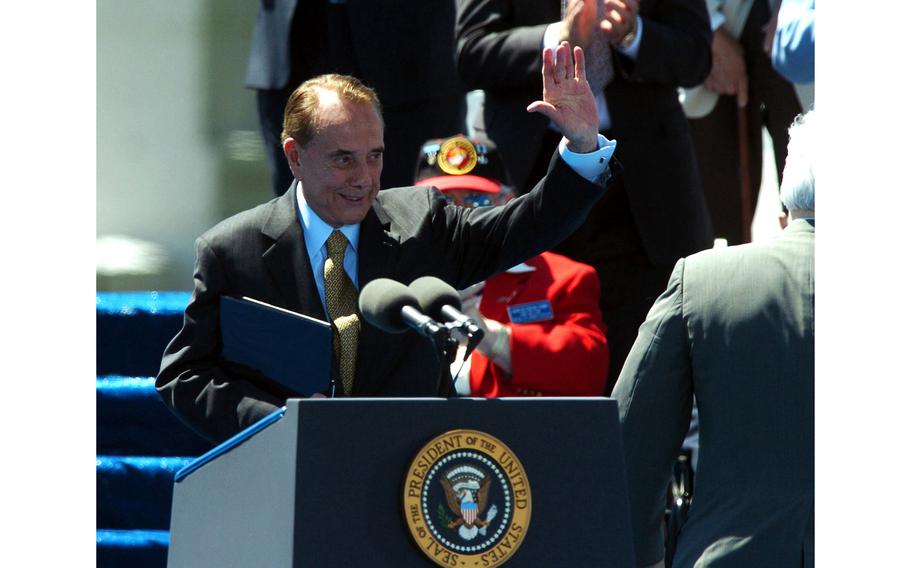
(290, 349)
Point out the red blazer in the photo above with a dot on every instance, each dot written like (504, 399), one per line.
(564, 352)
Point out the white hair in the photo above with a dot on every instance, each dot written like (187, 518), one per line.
(797, 190)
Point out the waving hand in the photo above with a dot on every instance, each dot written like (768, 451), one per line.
(567, 98)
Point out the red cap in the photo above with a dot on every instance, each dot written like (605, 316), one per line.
(467, 182)
(459, 162)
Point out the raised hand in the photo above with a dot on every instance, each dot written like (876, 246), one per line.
(567, 98)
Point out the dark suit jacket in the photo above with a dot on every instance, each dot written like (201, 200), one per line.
(404, 52)
(499, 50)
(408, 233)
(736, 327)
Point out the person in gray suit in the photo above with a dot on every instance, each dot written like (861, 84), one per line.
(736, 328)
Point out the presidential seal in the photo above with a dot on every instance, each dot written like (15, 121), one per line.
(467, 500)
(457, 156)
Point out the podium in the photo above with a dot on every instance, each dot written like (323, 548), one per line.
(326, 483)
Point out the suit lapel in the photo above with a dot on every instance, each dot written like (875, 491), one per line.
(287, 261)
(376, 254)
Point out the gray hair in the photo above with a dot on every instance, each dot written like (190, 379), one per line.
(797, 190)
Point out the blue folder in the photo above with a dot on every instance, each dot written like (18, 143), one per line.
(288, 348)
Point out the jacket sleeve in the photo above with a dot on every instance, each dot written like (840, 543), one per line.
(491, 51)
(210, 395)
(675, 45)
(522, 228)
(566, 356)
(654, 392)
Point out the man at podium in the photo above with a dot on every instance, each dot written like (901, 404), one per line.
(312, 249)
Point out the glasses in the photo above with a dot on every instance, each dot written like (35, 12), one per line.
(471, 200)
(477, 201)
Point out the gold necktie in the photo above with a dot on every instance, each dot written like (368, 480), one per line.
(341, 301)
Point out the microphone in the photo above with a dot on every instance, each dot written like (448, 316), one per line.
(442, 301)
(393, 308)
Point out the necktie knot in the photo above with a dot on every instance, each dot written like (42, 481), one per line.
(336, 245)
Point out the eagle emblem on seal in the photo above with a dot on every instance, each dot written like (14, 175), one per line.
(466, 490)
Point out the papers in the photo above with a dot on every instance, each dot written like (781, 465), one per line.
(288, 348)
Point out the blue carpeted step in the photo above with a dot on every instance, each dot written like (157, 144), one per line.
(135, 492)
(131, 419)
(133, 328)
(132, 548)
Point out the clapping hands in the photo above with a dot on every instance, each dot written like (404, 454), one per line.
(618, 19)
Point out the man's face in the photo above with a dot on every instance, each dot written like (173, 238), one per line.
(340, 166)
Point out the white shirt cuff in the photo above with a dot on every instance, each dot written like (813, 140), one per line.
(591, 165)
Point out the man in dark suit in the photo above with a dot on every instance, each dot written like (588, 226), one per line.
(404, 53)
(279, 252)
(736, 328)
(656, 213)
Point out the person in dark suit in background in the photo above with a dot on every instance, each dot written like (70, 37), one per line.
(403, 52)
(656, 212)
(333, 231)
(736, 328)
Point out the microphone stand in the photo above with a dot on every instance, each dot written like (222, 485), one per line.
(449, 349)
(445, 347)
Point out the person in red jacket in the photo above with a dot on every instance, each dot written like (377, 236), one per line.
(544, 333)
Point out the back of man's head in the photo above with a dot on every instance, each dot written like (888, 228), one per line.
(301, 114)
(797, 190)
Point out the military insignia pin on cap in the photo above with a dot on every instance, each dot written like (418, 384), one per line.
(457, 156)
(462, 163)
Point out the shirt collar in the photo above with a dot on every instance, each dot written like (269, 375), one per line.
(316, 231)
